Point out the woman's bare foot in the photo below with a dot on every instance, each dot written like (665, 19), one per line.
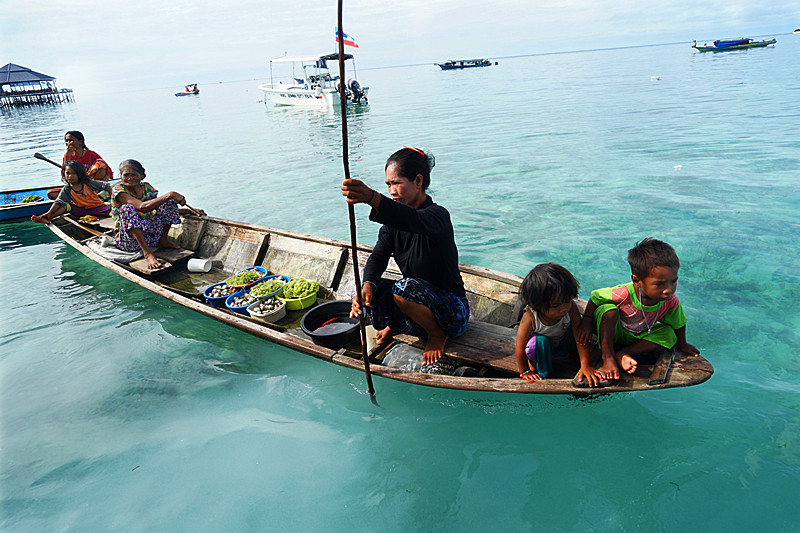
(627, 363)
(383, 335)
(152, 262)
(166, 243)
(434, 349)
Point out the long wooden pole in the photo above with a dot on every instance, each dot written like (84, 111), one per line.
(350, 207)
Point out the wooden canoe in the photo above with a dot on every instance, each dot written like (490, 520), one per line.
(12, 205)
(487, 346)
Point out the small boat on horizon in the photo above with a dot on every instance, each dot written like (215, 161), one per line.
(317, 87)
(454, 64)
(733, 44)
(190, 89)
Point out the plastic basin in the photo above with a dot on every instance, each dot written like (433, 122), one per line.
(329, 324)
(215, 301)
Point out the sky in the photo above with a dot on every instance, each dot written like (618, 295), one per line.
(94, 45)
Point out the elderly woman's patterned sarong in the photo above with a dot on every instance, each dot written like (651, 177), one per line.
(129, 218)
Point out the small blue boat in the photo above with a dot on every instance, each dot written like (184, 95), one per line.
(22, 203)
(735, 44)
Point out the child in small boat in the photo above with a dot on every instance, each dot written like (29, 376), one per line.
(549, 324)
(79, 197)
(641, 316)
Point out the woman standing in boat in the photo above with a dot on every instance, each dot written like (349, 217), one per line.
(143, 218)
(96, 168)
(430, 297)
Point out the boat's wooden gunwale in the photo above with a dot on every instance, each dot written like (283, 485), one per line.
(489, 273)
(28, 189)
(693, 370)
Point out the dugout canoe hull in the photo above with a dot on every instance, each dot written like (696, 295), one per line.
(13, 207)
(487, 346)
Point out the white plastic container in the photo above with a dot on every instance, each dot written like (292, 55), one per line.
(269, 318)
(198, 265)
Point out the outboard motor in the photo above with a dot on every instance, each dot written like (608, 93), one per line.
(338, 86)
(355, 88)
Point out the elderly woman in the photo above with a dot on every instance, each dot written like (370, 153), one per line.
(94, 165)
(142, 217)
(430, 297)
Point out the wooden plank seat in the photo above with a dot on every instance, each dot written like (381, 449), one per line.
(483, 344)
(106, 224)
(168, 257)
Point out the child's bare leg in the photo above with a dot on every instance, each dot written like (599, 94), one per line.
(608, 325)
(434, 347)
(626, 357)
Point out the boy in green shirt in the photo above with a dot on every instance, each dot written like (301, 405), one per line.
(641, 316)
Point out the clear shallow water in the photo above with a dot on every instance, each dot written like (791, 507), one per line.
(122, 411)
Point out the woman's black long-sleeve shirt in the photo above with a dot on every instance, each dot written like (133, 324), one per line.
(422, 242)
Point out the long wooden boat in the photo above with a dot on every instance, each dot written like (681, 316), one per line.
(739, 44)
(487, 347)
(455, 64)
(22, 203)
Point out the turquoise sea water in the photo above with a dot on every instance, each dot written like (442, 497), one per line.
(122, 411)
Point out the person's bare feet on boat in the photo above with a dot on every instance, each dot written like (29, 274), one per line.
(434, 349)
(383, 335)
(166, 243)
(627, 363)
(609, 370)
(152, 261)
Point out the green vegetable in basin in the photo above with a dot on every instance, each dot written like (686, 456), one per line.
(267, 287)
(299, 288)
(243, 278)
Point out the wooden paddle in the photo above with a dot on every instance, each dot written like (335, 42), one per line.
(37, 155)
(351, 209)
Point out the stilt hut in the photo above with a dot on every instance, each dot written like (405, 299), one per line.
(23, 86)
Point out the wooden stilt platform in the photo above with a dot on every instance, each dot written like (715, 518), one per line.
(11, 99)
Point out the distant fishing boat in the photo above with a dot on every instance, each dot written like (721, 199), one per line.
(190, 89)
(317, 87)
(735, 44)
(22, 203)
(464, 63)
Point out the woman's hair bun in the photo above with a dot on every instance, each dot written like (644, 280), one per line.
(429, 157)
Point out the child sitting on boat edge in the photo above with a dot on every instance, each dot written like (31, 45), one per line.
(641, 316)
(549, 325)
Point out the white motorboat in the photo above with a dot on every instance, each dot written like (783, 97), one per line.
(316, 88)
